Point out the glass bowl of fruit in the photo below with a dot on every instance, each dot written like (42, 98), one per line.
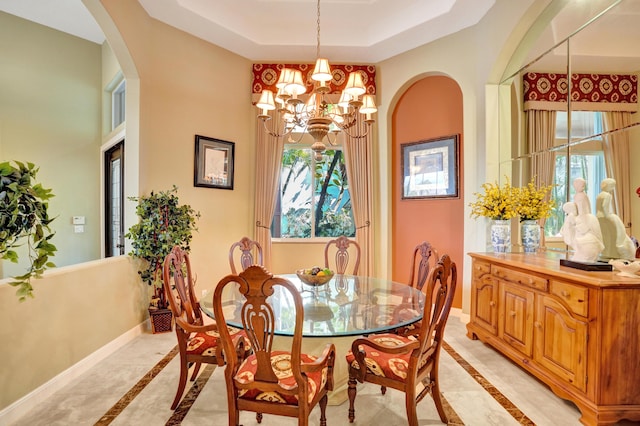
(315, 275)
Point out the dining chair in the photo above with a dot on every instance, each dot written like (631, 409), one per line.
(250, 253)
(280, 382)
(197, 342)
(342, 250)
(402, 362)
(424, 258)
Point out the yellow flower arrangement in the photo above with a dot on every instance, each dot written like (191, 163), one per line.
(497, 203)
(531, 203)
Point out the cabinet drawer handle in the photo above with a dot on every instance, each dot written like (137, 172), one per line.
(565, 294)
(512, 313)
(492, 303)
(538, 324)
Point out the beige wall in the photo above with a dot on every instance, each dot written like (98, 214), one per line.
(76, 311)
(50, 96)
(189, 87)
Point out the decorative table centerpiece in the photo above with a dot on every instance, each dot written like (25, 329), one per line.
(498, 203)
(532, 204)
(315, 275)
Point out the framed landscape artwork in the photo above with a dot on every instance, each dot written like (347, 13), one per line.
(213, 163)
(430, 168)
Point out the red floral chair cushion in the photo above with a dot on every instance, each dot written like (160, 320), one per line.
(206, 343)
(281, 364)
(393, 366)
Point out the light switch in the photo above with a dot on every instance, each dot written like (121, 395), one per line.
(78, 229)
(78, 220)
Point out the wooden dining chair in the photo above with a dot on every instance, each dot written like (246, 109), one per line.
(286, 383)
(424, 258)
(197, 342)
(250, 253)
(342, 250)
(401, 362)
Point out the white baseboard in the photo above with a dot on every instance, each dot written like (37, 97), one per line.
(19, 408)
(457, 312)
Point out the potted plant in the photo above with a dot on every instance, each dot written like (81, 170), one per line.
(497, 203)
(164, 223)
(532, 204)
(24, 219)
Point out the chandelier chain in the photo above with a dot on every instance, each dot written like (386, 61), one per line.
(318, 32)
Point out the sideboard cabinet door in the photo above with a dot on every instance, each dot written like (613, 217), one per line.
(516, 310)
(561, 342)
(484, 302)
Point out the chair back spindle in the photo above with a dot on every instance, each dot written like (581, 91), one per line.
(342, 246)
(250, 254)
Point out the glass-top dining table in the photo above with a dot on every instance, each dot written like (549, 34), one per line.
(336, 312)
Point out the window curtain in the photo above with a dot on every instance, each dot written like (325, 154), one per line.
(358, 159)
(616, 149)
(269, 151)
(541, 135)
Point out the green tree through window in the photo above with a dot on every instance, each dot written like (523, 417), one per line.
(314, 199)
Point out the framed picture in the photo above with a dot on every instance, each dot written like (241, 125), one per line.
(213, 163)
(430, 168)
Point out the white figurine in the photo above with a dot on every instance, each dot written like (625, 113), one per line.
(581, 198)
(581, 229)
(617, 244)
(568, 230)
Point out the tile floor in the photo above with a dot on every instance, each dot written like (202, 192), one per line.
(87, 400)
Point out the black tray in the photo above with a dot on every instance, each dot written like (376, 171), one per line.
(587, 266)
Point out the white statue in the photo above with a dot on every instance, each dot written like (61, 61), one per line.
(617, 244)
(581, 229)
(581, 198)
(568, 230)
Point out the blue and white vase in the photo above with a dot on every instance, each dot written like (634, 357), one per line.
(501, 236)
(530, 233)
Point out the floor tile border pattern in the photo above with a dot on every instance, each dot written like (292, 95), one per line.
(119, 406)
(187, 402)
(509, 406)
(182, 410)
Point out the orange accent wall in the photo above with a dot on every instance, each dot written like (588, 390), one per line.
(430, 108)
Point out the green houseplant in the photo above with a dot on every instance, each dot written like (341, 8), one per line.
(24, 219)
(164, 223)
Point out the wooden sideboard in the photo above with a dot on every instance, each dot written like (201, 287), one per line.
(576, 331)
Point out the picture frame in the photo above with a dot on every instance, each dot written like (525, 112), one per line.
(213, 163)
(430, 168)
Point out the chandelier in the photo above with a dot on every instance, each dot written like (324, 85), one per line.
(317, 116)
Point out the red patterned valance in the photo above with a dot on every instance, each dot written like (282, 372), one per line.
(618, 91)
(265, 76)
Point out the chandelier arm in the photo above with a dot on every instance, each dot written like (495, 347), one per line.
(292, 140)
(356, 136)
(275, 132)
(333, 142)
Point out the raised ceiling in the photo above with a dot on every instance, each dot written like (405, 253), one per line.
(357, 31)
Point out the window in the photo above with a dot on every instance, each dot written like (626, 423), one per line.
(118, 96)
(314, 199)
(586, 161)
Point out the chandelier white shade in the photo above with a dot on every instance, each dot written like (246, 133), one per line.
(318, 116)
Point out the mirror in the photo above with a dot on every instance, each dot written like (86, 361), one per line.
(598, 44)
